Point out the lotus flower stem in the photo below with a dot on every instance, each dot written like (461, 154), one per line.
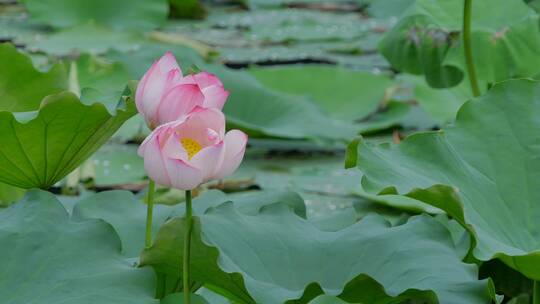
(187, 243)
(536, 293)
(149, 213)
(467, 48)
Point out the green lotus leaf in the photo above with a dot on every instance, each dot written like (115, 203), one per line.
(41, 147)
(22, 87)
(426, 41)
(47, 132)
(48, 258)
(142, 14)
(277, 257)
(481, 171)
(87, 37)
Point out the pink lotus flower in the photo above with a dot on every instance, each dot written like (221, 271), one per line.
(164, 94)
(193, 150)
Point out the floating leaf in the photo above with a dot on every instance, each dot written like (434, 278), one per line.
(480, 171)
(88, 37)
(48, 258)
(142, 14)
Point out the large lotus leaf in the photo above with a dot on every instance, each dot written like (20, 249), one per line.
(506, 42)
(342, 93)
(41, 147)
(22, 87)
(481, 172)
(119, 13)
(88, 37)
(48, 258)
(273, 256)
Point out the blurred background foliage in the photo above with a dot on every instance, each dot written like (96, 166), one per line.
(305, 77)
